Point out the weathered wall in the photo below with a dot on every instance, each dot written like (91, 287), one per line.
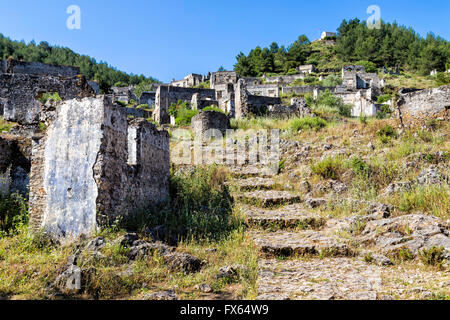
(81, 173)
(225, 77)
(19, 93)
(206, 120)
(14, 167)
(424, 104)
(199, 104)
(148, 98)
(305, 89)
(268, 90)
(39, 69)
(284, 79)
(166, 95)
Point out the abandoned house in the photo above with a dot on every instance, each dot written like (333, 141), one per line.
(191, 80)
(83, 161)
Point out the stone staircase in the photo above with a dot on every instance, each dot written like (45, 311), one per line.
(298, 260)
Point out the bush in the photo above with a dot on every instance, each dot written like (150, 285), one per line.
(433, 256)
(384, 98)
(200, 207)
(442, 79)
(49, 96)
(13, 213)
(184, 117)
(122, 103)
(385, 112)
(360, 167)
(386, 133)
(214, 108)
(329, 168)
(332, 81)
(327, 104)
(306, 123)
(368, 65)
(4, 125)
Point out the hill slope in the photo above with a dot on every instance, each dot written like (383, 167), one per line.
(106, 75)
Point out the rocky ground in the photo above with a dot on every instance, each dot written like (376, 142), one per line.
(319, 238)
(350, 214)
(305, 256)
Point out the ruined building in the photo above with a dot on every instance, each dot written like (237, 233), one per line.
(83, 160)
(166, 95)
(22, 84)
(92, 165)
(191, 80)
(417, 105)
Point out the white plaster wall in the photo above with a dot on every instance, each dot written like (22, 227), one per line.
(71, 150)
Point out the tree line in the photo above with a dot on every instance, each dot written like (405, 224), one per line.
(390, 46)
(43, 52)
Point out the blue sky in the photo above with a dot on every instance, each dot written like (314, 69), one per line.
(169, 39)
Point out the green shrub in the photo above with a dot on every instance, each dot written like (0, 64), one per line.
(200, 207)
(13, 213)
(384, 98)
(307, 123)
(433, 256)
(184, 117)
(143, 106)
(214, 108)
(332, 81)
(310, 79)
(442, 79)
(368, 65)
(329, 168)
(385, 112)
(386, 133)
(360, 167)
(122, 103)
(5, 125)
(327, 104)
(49, 96)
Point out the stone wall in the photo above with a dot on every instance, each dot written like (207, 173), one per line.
(19, 94)
(284, 79)
(166, 95)
(148, 97)
(14, 168)
(199, 104)
(305, 89)
(268, 90)
(224, 77)
(206, 120)
(39, 69)
(91, 166)
(425, 104)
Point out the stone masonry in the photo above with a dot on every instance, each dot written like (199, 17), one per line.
(20, 91)
(93, 165)
(166, 95)
(424, 104)
(206, 120)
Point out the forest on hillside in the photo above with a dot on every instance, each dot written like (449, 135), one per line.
(43, 52)
(390, 46)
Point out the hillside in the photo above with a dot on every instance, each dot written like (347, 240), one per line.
(105, 74)
(391, 46)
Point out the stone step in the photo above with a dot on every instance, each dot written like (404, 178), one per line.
(267, 198)
(252, 171)
(301, 243)
(339, 278)
(255, 183)
(291, 216)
